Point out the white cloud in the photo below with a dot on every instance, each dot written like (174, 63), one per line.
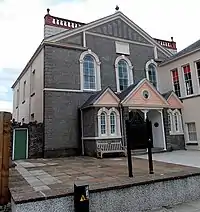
(22, 23)
(5, 106)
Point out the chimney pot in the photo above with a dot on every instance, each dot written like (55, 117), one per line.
(48, 10)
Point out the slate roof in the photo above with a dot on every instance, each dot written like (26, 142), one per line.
(92, 99)
(167, 94)
(124, 93)
(190, 48)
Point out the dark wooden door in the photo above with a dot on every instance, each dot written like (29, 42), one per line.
(138, 131)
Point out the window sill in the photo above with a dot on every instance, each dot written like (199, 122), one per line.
(33, 94)
(89, 90)
(176, 133)
(23, 102)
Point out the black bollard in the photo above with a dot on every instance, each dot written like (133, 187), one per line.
(130, 168)
(150, 157)
(81, 198)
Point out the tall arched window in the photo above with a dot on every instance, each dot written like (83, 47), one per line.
(124, 74)
(151, 72)
(103, 124)
(89, 73)
(90, 78)
(112, 123)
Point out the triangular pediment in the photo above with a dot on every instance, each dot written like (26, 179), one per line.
(174, 101)
(108, 98)
(115, 25)
(144, 95)
(120, 29)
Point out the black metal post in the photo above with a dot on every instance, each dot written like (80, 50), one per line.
(130, 168)
(150, 157)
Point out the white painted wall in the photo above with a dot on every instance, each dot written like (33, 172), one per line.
(191, 114)
(165, 78)
(32, 104)
(190, 105)
(158, 136)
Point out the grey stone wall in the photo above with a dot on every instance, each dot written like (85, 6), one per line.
(89, 122)
(105, 49)
(35, 138)
(62, 122)
(174, 142)
(61, 68)
(135, 198)
(118, 28)
(75, 40)
(90, 148)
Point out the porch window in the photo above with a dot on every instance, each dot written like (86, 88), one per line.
(170, 121)
(109, 122)
(113, 123)
(175, 80)
(175, 122)
(103, 123)
(192, 133)
(123, 74)
(188, 79)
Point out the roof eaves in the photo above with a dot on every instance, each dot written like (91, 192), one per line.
(178, 57)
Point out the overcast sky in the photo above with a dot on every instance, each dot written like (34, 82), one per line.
(21, 23)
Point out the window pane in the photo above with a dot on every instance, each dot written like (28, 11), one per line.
(123, 74)
(169, 122)
(113, 123)
(188, 79)
(89, 72)
(192, 134)
(152, 74)
(103, 123)
(176, 84)
(176, 122)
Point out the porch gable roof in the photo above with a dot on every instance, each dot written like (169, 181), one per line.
(134, 96)
(97, 96)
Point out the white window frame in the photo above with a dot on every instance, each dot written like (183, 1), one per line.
(183, 76)
(188, 133)
(117, 122)
(108, 127)
(24, 91)
(32, 81)
(179, 119)
(170, 113)
(147, 70)
(97, 64)
(130, 71)
(102, 110)
(171, 72)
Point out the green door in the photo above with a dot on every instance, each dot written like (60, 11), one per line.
(20, 144)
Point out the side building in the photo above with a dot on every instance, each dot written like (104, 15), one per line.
(181, 73)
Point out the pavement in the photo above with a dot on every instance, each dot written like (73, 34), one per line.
(186, 158)
(187, 207)
(181, 157)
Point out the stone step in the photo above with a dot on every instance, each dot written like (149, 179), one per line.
(144, 151)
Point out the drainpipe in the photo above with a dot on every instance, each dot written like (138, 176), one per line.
(82, 143)
(122, 124)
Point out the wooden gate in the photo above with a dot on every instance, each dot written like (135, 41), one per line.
(5, 131)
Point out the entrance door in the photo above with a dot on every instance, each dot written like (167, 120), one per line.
(20, 144)
(137, 131)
